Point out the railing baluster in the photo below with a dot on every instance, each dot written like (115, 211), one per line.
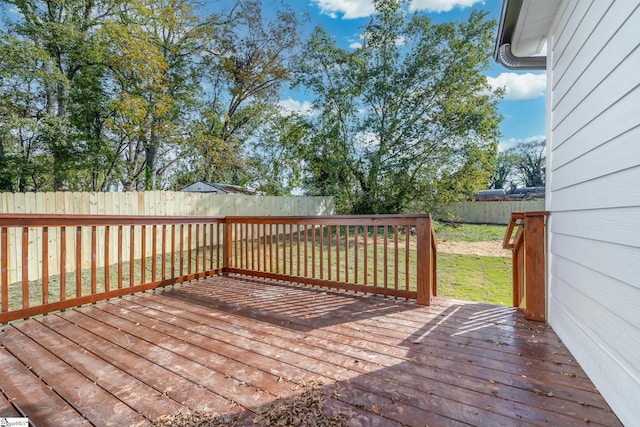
(25, 267)
(132, 255)
(375, 255)
(211, 243)
(197, 247)
(329, 237)
(204, 247)
(386, 257)
(346, 254)
(45, 265)
(181, 249)
(321, 250)
(313, 251)
(78, 261)
(4, 268)
(94, 261)
(246, 246)
(63, 263)
(338, 253)
(366, 255)
(119, 257)
(107, 241)
(356, 251)
(253, 249)
(395, 257)
(189, 247)
(306, 251)
(407, 247)
(164, 252)
(143, 254)
(154, 252)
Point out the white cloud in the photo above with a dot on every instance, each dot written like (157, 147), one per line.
(520, 86)
(355, 45)
(290, 105)
(350, 9)
(511, 142)
(441, 5)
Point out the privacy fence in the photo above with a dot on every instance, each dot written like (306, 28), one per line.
(148, 203)
(488, 212)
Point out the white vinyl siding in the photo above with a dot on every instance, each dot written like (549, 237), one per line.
(594, 193)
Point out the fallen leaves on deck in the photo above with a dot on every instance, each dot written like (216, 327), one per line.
(302, 410)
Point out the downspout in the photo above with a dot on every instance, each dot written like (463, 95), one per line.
(503, 54)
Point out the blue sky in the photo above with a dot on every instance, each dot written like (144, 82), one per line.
(523, 107)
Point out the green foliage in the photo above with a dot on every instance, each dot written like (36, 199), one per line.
(145, 94)
(407, 121)
(503, 170)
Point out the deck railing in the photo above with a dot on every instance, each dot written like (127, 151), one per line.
(69, 260)
(62, 261)
(528, 248)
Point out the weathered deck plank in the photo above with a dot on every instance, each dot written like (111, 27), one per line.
(231, 345)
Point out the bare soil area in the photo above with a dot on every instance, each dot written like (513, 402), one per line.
(487, 248)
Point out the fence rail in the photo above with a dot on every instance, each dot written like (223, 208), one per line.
(387, 255)
(528, 247)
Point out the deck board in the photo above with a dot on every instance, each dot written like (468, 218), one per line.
(233, 345)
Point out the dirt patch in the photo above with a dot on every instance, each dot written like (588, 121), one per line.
(488, 248)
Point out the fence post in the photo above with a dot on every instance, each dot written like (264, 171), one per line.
(424, 276)
(535, 266)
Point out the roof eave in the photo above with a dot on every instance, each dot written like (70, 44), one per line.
(506, 29)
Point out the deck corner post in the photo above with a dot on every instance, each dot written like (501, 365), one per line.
(535, 266)
(226, 246)
(424, 276)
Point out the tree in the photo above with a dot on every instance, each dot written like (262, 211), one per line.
(65, 39)
(245, 68)
(503, 170)
(407, 121)
(530, 163)
(276, 158)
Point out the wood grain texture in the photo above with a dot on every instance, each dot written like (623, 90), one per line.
(233, 345)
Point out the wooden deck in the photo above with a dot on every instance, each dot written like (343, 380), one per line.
(232, 345)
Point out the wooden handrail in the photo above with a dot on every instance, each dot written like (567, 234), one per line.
(54, 262)
(51, 246)
(356, 253)
(529, 262)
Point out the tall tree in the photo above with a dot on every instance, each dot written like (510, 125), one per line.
(64, 37)
(245, 68)
(530, 163)
(503, 170)
(407, 121)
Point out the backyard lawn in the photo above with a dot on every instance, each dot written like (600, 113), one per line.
(482, 278)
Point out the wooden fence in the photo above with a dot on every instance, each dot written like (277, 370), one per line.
(369, 254)
(150, 203)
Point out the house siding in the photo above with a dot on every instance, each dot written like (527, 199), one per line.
(593, 193)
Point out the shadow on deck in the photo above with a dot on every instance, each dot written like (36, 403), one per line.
(235, 345)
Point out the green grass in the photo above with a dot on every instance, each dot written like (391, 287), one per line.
(475, 278)
(468, 232)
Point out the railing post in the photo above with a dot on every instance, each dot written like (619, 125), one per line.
(535, 266)
(424, 276)
(227, 236)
